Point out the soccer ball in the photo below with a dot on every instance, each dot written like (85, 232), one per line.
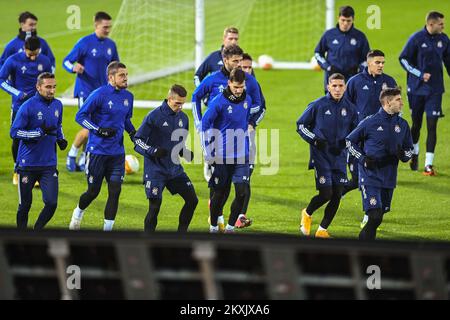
(131, 164)
(314, 64)
(265, 62)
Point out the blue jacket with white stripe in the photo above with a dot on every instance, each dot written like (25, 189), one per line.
(17, 45)
(364, 90)
(329, 120)
(37, 149)
(94, 54)
(424, 53)
(214, 84)
(344, 51)
(18, 76)
(162, 128)
(107, 107)
(212, 63)
(382, 135)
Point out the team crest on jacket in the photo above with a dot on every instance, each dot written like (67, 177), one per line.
(322, 180)
(384, 86)
(109, 51)
(245, 105)
(25, 180)
(155, 191)
(125, 102)
(353, 42)
(180, 123)
(344, 112)
(39, 115)
(439, 44)
(373, 201)
(57, 113)
(397, 128)
(40, 67)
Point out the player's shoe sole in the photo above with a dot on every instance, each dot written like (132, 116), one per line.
(429, 171)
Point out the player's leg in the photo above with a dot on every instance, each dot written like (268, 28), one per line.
(433, 109)
(324, 186)
(240, 174)
(218, 183)
(352, 184)
(417, 107)
(330, 211)
(79, 141)
(114, 174)
(14, 150)
(25, 187)
(153, 190)
(94, 174)
(49, 185)
(373, 206)
(183, 186)
(242, 220)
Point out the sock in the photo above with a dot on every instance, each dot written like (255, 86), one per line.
(220, 219)
(77, 214)
(228, 227)
(108, 225)
(307, 213)
(366, 218)
(73, 151)
(82, 159)
(241, 215)
(416, 148)
(213, 229)
(429, 157)
(321, 229)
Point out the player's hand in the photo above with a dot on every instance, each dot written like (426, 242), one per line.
(370, 163)
(48, 131)
(186, 154)
(106, 132)
(426, 77)
(320, 144)
(333, 69)
(401, 153)
(78, 68)
(62, 144)
(159, 153)
(132, 134)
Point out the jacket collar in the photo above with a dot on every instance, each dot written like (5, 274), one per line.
(24, 35)
(346, 32)
(386, 115)
(42, 99)
(329, 97)
(166, 109)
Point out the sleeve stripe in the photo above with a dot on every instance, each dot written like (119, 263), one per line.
(68, 65)
(255, 109)
(261, 117)
(320, 58)
(197, 120)
(141, 144)
(28, 134)
(308, 133)
(203, 142)
(196, 81)
(89, 125)
(355, 153)
(10, 89)
(410, 69)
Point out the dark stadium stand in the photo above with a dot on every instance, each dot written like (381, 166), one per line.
(133, 265)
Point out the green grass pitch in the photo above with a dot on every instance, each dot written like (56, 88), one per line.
(421, 205)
